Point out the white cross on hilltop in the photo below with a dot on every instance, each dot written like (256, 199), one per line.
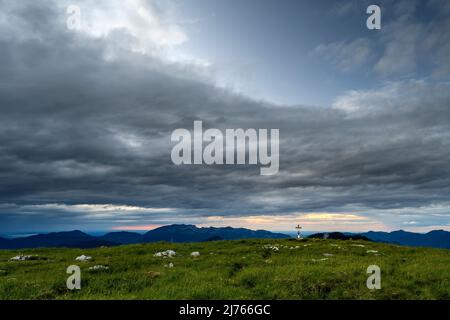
(299, 237)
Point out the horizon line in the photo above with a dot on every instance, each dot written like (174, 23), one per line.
(140, 229)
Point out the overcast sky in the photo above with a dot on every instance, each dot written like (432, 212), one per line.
(86, 115)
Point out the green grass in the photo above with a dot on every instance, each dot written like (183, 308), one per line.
(232, 270)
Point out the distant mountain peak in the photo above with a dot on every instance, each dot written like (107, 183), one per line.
(438, 232)
(121, 232)
(75, 232)
(400, 232)
(192, 233)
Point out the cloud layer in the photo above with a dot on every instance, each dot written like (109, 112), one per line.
(86, 122)
(413, 40)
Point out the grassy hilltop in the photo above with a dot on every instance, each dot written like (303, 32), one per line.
(246, 269)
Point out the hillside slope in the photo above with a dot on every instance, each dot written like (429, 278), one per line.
(243, 269)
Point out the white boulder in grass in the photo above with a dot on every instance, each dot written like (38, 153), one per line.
(171, 253)
(166, 254)
(268, 246)
(372, 251)
(23, 258)
(318, 260)
(83, 258)
(17, 258)
(98, 268)
(195, 254)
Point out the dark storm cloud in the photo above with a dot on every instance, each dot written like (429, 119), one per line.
(77, 127)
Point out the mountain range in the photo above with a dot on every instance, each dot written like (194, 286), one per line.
(172, 233)
(71, 239)
(435, 239)
(191, 233)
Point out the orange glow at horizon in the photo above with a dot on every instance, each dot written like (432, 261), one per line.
(318, 221)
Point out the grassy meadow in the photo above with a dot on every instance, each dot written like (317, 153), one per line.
(245, 269)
